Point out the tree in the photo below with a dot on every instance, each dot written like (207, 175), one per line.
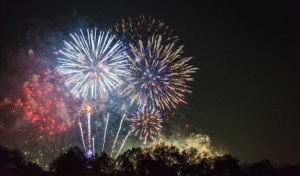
(33, 169)
(290, 170)
(146, 165)
(226, 165)
(12, 163)
(124, 164)
(73, 162)
(263, 168)
(102, 164)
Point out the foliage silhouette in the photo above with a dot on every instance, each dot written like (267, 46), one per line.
(226, 165)
(102, 164)
(157, 160)
(12, 163)
(290, 170)
(73, 162)
(263, 168)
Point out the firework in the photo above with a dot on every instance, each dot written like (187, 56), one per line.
(46, 103)
(92, 65)
(199, 142)
(93, 145)
(105, 132)
(146, 122)
(88, 107)
(123, 145)
(158, 75)
(82, 135)
(126, 153)
(47, 110)
(132, 31)
(89, 129)
(112, 150)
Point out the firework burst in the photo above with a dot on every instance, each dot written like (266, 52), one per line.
(146, 122)
(132, 31)
(88, 106)
(158, 75)
(47, 105)
(92, 64)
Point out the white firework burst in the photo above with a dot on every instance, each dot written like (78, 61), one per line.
(92, 64)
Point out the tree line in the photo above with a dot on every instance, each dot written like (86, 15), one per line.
(156, 160)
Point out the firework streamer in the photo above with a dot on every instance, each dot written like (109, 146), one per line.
(124, 158)
(88, 108)
(93, 146)
(82, 135)
(123, 144)
(105, 132)
(89, 129)
(112, 150)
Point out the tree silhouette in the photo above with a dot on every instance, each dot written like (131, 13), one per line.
(290, 170)
(12, 163)
(33, 169)
(262, 168)
(146, 165)
(226, 165)
(102, 164)
(73, 162)
(124, 164)
(156, 160)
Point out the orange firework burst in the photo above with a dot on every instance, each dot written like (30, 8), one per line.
(146, 122)
(88, 106)
(141, 28)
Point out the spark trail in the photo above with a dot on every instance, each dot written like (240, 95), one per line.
(93, 146)
(123, 144)
(124, 157)
(105, 132)
(112, 150)
(89, 128)
(82, 135)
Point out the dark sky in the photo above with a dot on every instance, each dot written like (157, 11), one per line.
(248, 55)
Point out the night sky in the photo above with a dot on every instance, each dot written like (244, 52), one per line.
(248, 85)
